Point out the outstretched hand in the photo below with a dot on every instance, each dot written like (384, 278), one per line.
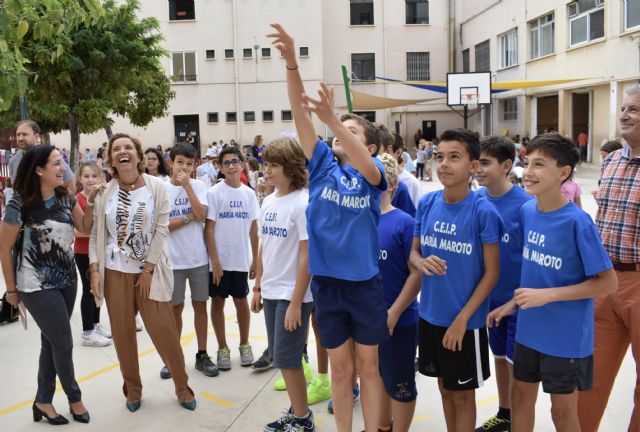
(284, 43)
(322, 107)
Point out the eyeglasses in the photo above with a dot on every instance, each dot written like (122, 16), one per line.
(234, 162)
(154, 159)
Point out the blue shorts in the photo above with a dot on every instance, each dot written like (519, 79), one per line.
(347, 309)
(502, 339)
(396, 357)
(285, 347)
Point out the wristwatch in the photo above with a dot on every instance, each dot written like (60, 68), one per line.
(185, 219)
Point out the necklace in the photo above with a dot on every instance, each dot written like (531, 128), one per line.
(131, 186)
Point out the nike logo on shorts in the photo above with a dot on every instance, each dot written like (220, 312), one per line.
(464, 382)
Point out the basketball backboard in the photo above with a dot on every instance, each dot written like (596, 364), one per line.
(469, 88)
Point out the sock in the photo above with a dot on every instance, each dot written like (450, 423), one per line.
(87, 332)
(200, 353)
(304, 417)
(504, 413)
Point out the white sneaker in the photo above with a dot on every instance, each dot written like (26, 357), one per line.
(102, 331)
(93, 339)
(139, 325)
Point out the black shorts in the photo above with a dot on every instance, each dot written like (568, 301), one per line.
(559, 375)
(233, 283)
(460, 370)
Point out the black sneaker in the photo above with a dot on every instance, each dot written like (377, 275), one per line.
(495, 424)
(263, 363)
(280, 424)
(304, 424)
(206, 365)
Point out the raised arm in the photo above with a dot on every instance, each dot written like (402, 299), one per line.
(301, 118)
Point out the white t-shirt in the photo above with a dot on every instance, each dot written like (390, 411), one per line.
(207, 174)
(413, 184)
(283, 226)
(130, 222)
(233, 210)
(187, 248)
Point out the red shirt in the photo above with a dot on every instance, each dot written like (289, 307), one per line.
(81, 245)
(583, 139)
(244, 179)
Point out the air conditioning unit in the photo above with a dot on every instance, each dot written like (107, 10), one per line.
(573, 9)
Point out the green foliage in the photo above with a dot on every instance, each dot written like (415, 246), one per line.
(80, 75)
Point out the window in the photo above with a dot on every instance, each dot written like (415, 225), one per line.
(508, 48)
(509, 109)
(183, 66)
(212, 117)
(466, 62)
(228, 53)
(266, 52)
(631, 14)
(182, 10)
(304, 51)
(285, 115)
(210, 54)
(483, 62)
(232, 117)
(541, 35)
(361, 12)
(247, 53)
(369, 115)
(417, 66)
(249, 116)
(267, 116)
(363, 67)
(417, 11)
(586, 21)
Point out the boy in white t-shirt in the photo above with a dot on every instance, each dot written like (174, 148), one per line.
(187, 249)
(282, 276)
(232, 216)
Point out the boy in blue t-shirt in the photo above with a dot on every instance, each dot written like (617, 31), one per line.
(345, 183)
(496, 160)
(455, 245)
(401, 287)
(564, 266)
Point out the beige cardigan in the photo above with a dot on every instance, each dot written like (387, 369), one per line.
(162, 279)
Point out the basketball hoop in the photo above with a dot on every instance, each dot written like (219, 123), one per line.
(470, 100)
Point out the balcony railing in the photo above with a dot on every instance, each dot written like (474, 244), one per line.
(184, 78)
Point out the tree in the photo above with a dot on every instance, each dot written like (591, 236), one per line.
(112, 67)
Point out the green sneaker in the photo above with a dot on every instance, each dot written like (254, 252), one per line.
(319, 389)
(280, 385)
(495, 424)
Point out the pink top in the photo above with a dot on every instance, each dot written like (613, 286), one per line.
(571, 190)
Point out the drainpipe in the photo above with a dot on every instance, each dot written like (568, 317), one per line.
(236, 74)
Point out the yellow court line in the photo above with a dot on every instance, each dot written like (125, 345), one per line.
(486, 401)
(419, 418)
(215, 399)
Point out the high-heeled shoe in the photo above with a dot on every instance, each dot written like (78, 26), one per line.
(81, 418)
(56, 421)
(191, 405)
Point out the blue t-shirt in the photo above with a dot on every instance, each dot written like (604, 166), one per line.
(402, 200)
(342, 218)
(395, 234)
(508, 206)
(561, 248)
(455, 233)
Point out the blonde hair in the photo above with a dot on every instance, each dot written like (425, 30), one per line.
(391, 171)
(288, 153)
(91, 165)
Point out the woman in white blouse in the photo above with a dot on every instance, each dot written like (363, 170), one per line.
(129, 266)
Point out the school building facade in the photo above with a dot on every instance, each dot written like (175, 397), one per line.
(596, 41)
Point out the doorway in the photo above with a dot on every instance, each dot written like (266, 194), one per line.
(185, 124)
(580, 108)
(429, 130)
(547, 114)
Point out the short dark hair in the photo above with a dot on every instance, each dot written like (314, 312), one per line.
(230, 150)
(557, 147)
(469, 139)
(499, 147)
(370, 132)
(27, 182)
(33, 125)
(183, 149)
(384, 135)
(610, 146)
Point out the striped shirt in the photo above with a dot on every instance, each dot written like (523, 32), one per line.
(618, 217)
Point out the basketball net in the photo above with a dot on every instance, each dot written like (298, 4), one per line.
(471, 100)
